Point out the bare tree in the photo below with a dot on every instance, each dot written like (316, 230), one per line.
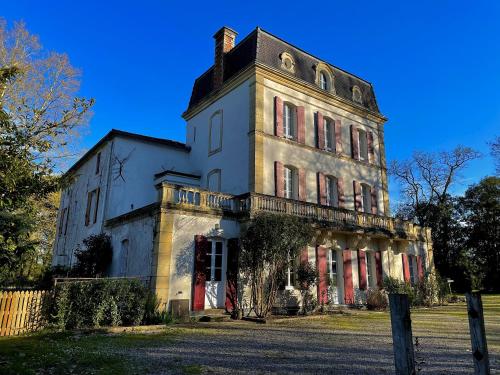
(41, 100)
(426, 178)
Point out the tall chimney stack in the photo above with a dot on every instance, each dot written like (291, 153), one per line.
(224, 42)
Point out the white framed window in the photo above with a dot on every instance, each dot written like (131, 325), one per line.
(329, 134)
(366, 198)
(331, 191)
(215, 133)
(214, 180)
(356, 95)
(323, 81)
(290, 187)
(289, 121)
(332, 265)
(290, 281)
(369, 270)
(363, 145)
(213, 261)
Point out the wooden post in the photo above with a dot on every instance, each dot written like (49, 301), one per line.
(404, 357)
(477, 334)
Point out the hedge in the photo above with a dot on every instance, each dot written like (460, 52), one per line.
(97, 303)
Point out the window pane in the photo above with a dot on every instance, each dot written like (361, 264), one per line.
(217, 274)
(218, 248)
(218, 260)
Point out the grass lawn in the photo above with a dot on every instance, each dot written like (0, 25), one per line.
(242, 347)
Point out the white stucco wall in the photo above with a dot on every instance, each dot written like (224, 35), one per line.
(141, 161)
(233, 159)
(74, 198)
(312, 160)
(182, 263)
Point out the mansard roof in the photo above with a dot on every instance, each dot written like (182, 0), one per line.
(262, 47)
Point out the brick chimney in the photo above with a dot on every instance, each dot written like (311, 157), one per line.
(224, 42)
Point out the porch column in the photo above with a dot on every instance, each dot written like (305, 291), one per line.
(162, 255)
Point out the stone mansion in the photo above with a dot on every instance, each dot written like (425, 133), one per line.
(269, 128)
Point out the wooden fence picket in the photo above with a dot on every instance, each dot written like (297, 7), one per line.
(21, 312)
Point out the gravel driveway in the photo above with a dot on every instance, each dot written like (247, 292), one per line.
(309, 346)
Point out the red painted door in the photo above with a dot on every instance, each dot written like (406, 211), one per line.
(199, 276)
(348, 287)
(362, 269)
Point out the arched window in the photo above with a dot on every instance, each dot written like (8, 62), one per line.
(356, 95)
(290, 183)
(215, 133)
(289, 121)
(323, 81)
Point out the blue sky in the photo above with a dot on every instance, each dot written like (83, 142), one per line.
(434, 64)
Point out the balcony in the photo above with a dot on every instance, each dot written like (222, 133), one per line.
(245, 206)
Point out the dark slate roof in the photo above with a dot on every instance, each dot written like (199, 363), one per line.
(265, 48)
(115, 132)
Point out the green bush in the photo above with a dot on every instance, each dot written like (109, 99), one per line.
(96, 303)
(376, 299)
(430, 290)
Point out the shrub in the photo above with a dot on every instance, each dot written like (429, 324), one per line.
(96, 303)
(376, 299)
(94, 260)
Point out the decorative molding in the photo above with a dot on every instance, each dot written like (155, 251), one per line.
(357, 96)
(323, 68)
(287, 62)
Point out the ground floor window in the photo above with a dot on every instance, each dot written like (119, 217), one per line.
(369, 270)
(332, 267)
(213, 261)
(412, 262)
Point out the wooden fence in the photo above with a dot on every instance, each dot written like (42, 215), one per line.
(21, 312)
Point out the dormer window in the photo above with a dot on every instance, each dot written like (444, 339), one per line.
(356, 95)
(287, 62)
(323, 81)
(289, 121)
(324, 78)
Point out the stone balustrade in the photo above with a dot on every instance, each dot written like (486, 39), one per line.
(249, 204)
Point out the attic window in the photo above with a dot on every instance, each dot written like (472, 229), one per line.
(287, 62)
(356, 95)
(324, 77)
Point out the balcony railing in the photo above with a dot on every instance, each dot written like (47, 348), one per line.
(188, 197)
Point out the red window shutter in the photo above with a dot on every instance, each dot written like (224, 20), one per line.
(302, 185)
(357, 195)
(354, 143)
(301, 125)
(374, 201)
(320, 128)
(371, 150)
(378, 268)
(420, 268)
(406, 268)
(348, 287)
(232, 274)
(340, 191)
(200, 253)
(322, 267)
(321, 189)
(278, 116)
(338, 137)
(362, 269)
(279, 179)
